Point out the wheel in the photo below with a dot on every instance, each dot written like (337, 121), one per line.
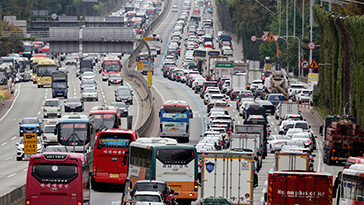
(108, 84)
(131, 102)
(38, 86)
(18, 159)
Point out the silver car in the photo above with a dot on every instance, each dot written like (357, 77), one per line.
(90, 94)
(48, 134)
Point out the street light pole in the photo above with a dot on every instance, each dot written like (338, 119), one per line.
(312, 2)
(294, 18)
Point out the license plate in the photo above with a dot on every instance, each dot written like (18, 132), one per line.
(174, 130)
(175, 188)
(255, 122)
(114, 175)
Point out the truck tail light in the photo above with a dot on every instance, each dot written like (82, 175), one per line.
(94, 169)
(27, 202)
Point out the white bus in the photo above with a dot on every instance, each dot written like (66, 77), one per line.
(163, 159)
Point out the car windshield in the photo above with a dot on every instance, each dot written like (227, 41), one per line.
(111, 66)
(29, 121)
(56, 84)
(300, 136)
(123, 92)
(282, 138)
(88, 82)
(276, 98)
(74, 100)
(147, 198)
(302, 125)
(149, 186)
(89, 90)
(51, 103)
(49, 129)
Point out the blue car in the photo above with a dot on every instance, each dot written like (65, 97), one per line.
(30, 125)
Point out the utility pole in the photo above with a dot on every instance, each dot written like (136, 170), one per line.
(279, 12)
(294, 18)
(287, 20)
(312, 2)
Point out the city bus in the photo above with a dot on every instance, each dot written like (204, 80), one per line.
(175, 120)
(57, 178)
(110, 65)
(110, 157)
(44, 70)
(351, 187)
(163, 159)
(104, 117)
(76, 133)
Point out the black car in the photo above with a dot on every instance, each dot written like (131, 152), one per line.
(124, 94)
(73, 104)
(160, 186)
(115, 79)
(122, 108)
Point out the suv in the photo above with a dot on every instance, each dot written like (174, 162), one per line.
(52, 107)
(209, 91)
(147, 197)
(30, 125)
(153, 185)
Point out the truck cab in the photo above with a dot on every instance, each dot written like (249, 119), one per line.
(59, 84)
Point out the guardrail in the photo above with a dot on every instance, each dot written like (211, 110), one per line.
(19, 193)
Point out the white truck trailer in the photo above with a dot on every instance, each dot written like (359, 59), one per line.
(293, 161)
(229, 175)
(285, 108)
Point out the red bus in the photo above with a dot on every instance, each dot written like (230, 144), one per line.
(104, 117)
(58, 178)
(110, 160)
(111, 65)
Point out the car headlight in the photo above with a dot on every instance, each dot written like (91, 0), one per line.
(21, 131)
(38, 79)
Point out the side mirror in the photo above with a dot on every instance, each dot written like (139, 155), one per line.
(17, 144)
(280, 132)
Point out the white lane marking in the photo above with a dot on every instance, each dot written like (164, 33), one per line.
(13, 137)
(25, 170)
(266, 182)
(264, 190)
(12, 105)
(11, 175)
(318, 148)
(262, 199)
(39, 113)
(4, 143)
(6, 159)
(160, 94)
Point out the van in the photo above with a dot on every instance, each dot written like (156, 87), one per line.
(52, 107)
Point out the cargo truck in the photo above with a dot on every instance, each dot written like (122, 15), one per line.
(293, 161)
(249, 129)
(249, 143)
(285, 108)
(291, 187)
(59, 84)
(343, 139)
(229, 175)
(222, 69)
(238, 80)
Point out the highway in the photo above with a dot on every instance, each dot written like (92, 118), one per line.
(28, 100)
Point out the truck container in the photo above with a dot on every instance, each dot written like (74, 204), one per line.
(254, 129)
(285, 108)
(248, 142)
(229, 175)
(286, 187)
(254, 75)
(59, 84)
(238, 80)
(293, 160)
(222, 69)
(343, 139)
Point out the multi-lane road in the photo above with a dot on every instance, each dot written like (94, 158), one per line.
(28, 100)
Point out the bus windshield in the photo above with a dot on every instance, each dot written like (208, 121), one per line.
(175, 156)
(73, 133)
(55, 173)
(45, 70)
(114, 140)
(110, 66)
(105, 120)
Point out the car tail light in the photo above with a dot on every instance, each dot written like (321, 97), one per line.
(94, 169)
(27, 202)
(20, 52)
(79, 203)
(277, 143)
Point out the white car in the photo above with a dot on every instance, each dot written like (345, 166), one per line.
(209, 91)
(90, 94)
(305, 138)
(20, 148)
(48, 134)
(52, 107)
(293, 131)
(88, 76)
(147, 198)
(275, 142)
(174, 8)
(294, 88)
(216, 97)
(256, 85)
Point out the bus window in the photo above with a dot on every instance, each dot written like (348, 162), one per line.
(51, 173)
(105, 120)
(175, 156)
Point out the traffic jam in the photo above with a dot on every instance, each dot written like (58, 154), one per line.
(257, 144)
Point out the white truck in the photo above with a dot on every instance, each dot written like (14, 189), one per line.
(254, 130)
(229, 175)
(238, 80)
(285, 108)
(248, 143)
(293, 160)
(223, 69)
(254, 75)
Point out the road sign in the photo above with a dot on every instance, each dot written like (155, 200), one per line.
(264, 37)
(311, 45)
(276, 37)
(266, 33)
(140, 65)
(150, 74)
(314, 64)
(30, 143)
(270, 38)
(148, 39)
(279, 52)
(253, 38)
(224, 65)
(304, 64)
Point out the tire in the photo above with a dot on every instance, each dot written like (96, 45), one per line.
(108, 84)
(19, 158)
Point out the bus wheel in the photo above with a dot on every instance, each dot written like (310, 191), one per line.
(94, 185)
